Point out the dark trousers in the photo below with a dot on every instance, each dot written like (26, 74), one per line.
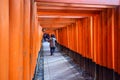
(52, 50)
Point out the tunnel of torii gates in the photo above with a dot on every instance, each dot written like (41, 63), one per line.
(90, 28)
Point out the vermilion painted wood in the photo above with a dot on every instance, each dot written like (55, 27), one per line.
(16, 40)
(68, 36)
(80, 36)
(109, 39)
(76, 36)
(96, 37)
(35, 31)
(82, 50)
(84, 37)
(64, 36)
(32, 45)
(88, 38)
(4, 40)
(114, 34)
(26, 41)
(95, 40)
(88, 48)
(64, 13)
(115, 39)
(101, 2)
(92, 38)
(21, 39)
(66, 40)
(104, 37)
(118, 41)
(99, 40)
(72, 37)
(35, 39)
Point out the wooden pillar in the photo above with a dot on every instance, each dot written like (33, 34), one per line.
(36, 33)
(16, 40)
(33, 39)
(56, 34)
(76, 28)
(91, 37)
(4, 39)
(80, 36)
(84, 22)
(109, 38)
(104, 37)
(66, 39)
(95, 38)
(68, 36)
(118, 41)
(26, 41)
(72, 37)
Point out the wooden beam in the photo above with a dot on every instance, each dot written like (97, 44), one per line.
(53, 25)
(73, 5)
(70, 17)
(56, 20)
(49, 29)
(46, 22)
(98, 2)
(68, 8)
(66, 13)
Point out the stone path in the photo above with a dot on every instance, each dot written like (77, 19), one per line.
(58, 67)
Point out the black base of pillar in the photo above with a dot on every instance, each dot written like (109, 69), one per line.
(94, 70)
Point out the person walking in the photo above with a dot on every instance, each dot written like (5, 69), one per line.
(52, 42)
